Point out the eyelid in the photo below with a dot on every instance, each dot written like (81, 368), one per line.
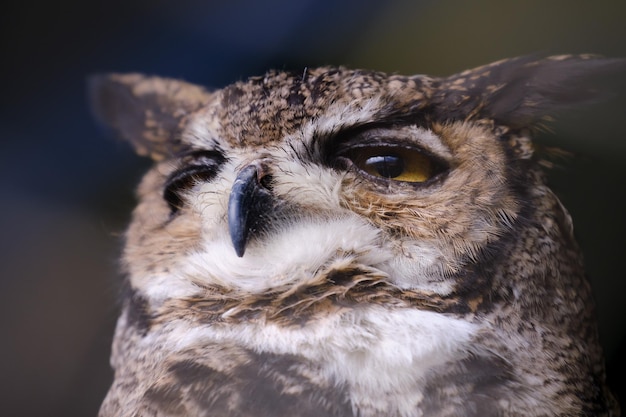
(195, 167)
(409, 136)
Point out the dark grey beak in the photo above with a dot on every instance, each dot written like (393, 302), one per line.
(247, 206)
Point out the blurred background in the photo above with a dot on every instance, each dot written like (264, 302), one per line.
(66, 190)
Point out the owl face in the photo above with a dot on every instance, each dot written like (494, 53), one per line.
(385, 243)
(340, 167)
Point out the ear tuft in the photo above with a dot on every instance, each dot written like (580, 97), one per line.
(150, 112)
(522, 92)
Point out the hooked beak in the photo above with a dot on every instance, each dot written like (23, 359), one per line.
(249, 201)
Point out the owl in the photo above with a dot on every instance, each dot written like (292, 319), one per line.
(337, 242)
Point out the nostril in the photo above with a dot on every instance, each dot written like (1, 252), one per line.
(266, 181)
(263, 173)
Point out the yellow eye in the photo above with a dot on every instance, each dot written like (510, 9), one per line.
(396, 163)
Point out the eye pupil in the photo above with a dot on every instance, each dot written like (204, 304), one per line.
(387, 166)
(393, 163)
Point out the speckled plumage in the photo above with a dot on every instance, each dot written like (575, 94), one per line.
(273, 270)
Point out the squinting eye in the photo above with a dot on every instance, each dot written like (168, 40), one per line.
(198, 166)
(391, 162)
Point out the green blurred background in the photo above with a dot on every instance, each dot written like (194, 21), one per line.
(66, 191)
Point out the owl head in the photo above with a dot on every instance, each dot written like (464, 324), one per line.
(274, 184)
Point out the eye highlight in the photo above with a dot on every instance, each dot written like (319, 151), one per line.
(393, 162)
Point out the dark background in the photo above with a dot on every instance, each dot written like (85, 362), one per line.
(66, 190)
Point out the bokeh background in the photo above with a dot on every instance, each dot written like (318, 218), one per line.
(66, 190)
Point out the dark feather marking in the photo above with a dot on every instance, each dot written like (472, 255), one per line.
(335, 290)
(138, 309)
(167, 399)
(471, 388)
(247, 384)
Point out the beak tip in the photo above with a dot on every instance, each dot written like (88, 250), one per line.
(240, 250)
(238, 237)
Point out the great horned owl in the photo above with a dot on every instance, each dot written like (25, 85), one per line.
(341, 242)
